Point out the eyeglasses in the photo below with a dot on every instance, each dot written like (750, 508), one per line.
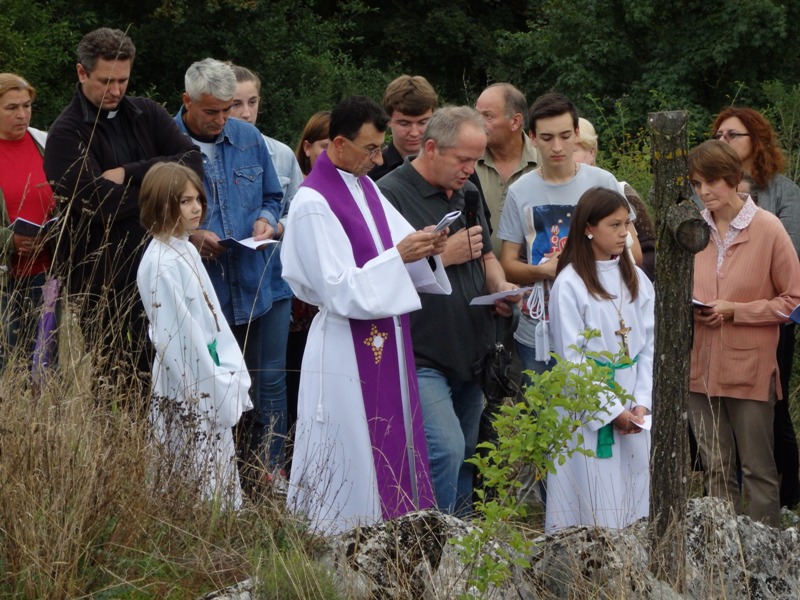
(371, 152)
(729, 135)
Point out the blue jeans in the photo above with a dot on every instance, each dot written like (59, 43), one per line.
(21, 308)
(527, 356)
(451, 411)
(271, 407)
(264, 349)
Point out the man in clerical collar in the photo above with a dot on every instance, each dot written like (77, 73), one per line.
(98, 151)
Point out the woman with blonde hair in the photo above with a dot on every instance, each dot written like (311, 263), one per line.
(586, 153)
(26, 195)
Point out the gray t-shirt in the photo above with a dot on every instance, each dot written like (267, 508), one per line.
(537, 215)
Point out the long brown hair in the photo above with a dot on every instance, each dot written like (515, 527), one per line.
(160, 197)
(768, 158)
(316, 129)
(595, 205)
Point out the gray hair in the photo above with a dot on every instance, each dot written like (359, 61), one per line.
(446, 122)
(515, 102)
(212, 77)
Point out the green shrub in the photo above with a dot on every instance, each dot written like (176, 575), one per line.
(538, 434)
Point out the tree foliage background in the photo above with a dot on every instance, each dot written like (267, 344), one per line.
(618, 59)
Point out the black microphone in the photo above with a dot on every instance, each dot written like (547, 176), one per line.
(472, 202)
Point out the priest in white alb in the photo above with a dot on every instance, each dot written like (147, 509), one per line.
(359, 453)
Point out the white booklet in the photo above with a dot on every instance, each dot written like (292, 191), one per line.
(490, 298)
(249, 243)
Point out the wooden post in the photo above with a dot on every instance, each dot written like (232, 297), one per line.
(681, 232)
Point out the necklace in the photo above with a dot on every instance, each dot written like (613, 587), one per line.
(540, 171)
(623, 330)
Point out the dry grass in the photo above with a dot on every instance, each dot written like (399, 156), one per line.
(88, 509)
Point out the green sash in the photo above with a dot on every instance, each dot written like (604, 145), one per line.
(605, 435)
(212, 350)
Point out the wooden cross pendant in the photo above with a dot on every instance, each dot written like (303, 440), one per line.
(623, 332)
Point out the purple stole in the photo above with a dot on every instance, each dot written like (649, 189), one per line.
(378, 362)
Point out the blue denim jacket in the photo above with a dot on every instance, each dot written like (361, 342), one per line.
(290, 176)
(241, 186)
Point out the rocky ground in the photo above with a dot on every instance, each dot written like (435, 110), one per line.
(727, 557)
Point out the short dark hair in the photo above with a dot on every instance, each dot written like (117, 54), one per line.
(105, 43)
(715, 160)
(352, 113)
(411, 95)
(160, 196)
(552, 105)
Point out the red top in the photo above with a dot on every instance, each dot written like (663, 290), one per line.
(27, 194)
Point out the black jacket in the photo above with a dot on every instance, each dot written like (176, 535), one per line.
(101, 239)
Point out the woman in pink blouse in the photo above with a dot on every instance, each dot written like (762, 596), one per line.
(24, 194)
(747, 278)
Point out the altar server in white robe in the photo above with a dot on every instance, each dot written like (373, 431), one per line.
(359, 454)
(599, 287)
(200, 381)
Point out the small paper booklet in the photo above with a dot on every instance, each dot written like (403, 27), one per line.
(699, 304)
(27, 228)
(794, 317)
(490, 298)
(447, 220)
(248, 243)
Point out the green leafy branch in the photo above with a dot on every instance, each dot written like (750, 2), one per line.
(536, 434)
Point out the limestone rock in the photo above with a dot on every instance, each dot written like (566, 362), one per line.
(727, 557)
(736, 557)
(409, 558)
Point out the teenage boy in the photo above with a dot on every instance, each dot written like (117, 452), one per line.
(536, 216)
(409, 101)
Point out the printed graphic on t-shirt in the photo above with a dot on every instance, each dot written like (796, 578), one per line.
(548, 227)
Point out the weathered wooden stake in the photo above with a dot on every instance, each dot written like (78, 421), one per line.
(681, 232)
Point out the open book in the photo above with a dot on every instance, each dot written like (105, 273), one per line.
(248, 243)
(27, 228)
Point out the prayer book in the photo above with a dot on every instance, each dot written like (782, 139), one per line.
(27, 228)
(248, 243)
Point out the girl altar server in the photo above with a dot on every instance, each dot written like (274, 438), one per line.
(200, 382)
(598, 287)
